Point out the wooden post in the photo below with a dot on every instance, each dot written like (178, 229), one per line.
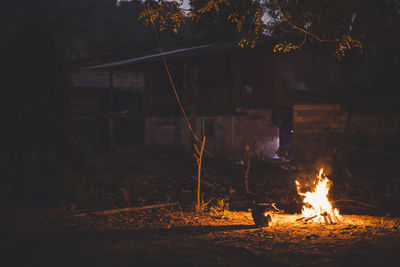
(147, 96)
(236, 83)
(347, 129)
(186, 96)
(110, 120)
(196, 97)
(246, 173)
(98, 129)
(276, 83)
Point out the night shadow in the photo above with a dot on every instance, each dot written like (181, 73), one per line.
(28, 237)
(192, 230)
(199, 229)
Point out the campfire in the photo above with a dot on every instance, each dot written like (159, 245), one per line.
(316, 205)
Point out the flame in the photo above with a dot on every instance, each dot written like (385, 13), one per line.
(316, 203)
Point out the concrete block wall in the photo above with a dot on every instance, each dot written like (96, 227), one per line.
(166, 131)
(256, 130)
(317, 130)
(232, 133)
(227, 136)
(320, 129)
(312, 119)
(218, 133)
(375, 124)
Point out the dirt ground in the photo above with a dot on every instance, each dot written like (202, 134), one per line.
(165, 237)
(39, 229)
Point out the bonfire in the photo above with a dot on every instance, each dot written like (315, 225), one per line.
(316, 205)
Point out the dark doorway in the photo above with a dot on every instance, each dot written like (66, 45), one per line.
(283, 117)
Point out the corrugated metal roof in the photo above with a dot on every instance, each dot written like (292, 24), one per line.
(171, 55)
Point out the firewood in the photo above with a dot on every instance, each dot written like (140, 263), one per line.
(325, 218)
(336, 219)
(310, 218)
(111, 211)
(329, 219)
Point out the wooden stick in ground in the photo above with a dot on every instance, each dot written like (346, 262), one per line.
(199, 158)
(105, 212)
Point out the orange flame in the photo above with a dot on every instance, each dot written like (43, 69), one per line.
(316, 205)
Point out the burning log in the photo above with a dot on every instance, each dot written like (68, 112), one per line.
(328, 218)
(317, 206)
(262, 213)
(306, 219)
(310, 218)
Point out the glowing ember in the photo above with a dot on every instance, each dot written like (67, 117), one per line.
(316, 204)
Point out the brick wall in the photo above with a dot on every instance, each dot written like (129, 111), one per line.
(226, 135)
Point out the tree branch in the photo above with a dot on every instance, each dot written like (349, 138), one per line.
(285, 18)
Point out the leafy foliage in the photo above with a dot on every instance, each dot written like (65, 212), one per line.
(93, 27)
(285, 47)
(166, 14)
(360, 26)
(239, 20)
(347, 27)
(347, 44)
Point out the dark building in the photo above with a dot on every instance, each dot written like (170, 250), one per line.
(103, 100)
(254, 97)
